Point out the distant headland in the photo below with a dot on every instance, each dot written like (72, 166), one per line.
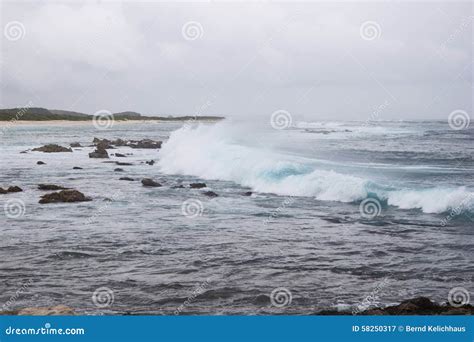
(43, 114)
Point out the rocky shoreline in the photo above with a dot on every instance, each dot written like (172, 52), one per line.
(414, 306)
(100, 150)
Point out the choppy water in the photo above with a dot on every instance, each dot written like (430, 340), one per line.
(302, 229)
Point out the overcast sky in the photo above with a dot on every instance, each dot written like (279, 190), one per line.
(319, 60)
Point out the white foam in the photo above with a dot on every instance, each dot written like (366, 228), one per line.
(225, 152)
(432, 200)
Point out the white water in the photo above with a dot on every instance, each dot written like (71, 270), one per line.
(223, 152)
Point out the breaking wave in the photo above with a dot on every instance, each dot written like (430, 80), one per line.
(230, 153)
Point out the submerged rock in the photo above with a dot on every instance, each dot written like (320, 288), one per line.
(118, 169)
(197, 185)
(77, 168)
(39, 162)
(75, 144)
(181, 186)
(123, 164)
(151, 162)
(50, 187)
(127, 179)
(64, 196)
(52, 148)
(210, 194)
(120, 155)
(247, 193)
(150, 182)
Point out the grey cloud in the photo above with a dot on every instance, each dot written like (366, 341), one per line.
(252, 58)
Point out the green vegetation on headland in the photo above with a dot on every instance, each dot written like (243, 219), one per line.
(43, 114)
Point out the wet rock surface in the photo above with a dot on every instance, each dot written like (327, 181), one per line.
(65, 196)
(210, 194)
(150, 182)
(144, 143)
(414, 306)
(52, 148)
(13, 188)
(51, 187)
(126, 179)
(99, 152)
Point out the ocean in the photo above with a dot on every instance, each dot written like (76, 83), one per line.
(341, 215)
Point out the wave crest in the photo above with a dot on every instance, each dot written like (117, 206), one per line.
(223, 152)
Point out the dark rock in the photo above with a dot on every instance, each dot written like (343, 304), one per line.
(51, 148)
(415, 306)
(418, 305)
(103, 145)
(64, 196)
(75, 144)
(14, 189)
(77, 168)
(127, 179)
(210, 194)
(145, 143)
(151, 162)
(120, 155)
(118, 170)
(119, 142)
(123, 164)
(23, 152)
(51, 187)
(247, 193)
(100, 152)
(197, 185)
(150, 182)
(3, 191)
(40, 162)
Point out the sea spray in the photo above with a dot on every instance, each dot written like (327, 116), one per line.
(231, 153)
